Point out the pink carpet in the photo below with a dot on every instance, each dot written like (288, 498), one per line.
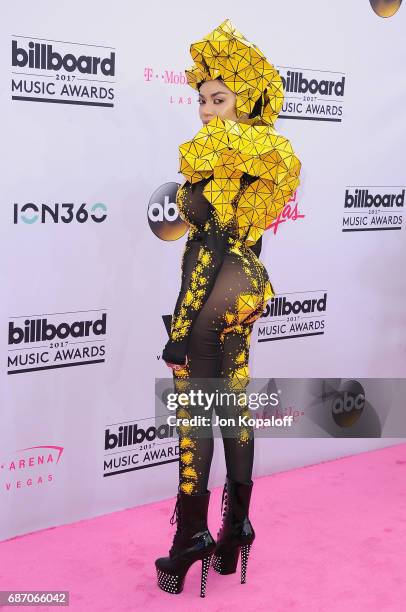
(330, 537)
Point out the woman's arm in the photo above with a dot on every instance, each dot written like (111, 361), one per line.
(193, 295)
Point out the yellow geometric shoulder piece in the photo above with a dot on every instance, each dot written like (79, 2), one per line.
(261, 151)
(261, 203)
(224, 150)
(198, 157)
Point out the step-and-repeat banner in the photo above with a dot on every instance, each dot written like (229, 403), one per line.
(93, 106)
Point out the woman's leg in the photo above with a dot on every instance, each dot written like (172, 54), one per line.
(238, 440)
(192, 540)
(196, 443)
(219, 348)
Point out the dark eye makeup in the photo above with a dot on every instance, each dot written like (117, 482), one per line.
(220, 100)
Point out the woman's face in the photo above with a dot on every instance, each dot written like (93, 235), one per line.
(217, 100)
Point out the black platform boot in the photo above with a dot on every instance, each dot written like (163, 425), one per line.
(192, 542)
(236, 532)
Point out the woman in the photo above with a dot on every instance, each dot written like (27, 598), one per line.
(239, 174)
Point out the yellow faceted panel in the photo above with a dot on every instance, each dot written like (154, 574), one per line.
(221, 192)
(199, 156)
(226, 166)
(247, 303)
(269, 292)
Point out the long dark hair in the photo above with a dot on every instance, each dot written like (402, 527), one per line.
(257, 110)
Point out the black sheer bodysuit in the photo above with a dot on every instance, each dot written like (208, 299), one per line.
(224, 289)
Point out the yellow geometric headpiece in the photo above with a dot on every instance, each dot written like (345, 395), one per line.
(225, 53)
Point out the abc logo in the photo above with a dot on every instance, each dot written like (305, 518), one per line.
(163, 214)
(385, 8)
(348, 404)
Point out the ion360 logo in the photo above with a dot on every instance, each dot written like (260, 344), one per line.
(30, 213)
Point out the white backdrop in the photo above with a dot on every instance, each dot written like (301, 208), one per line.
(113, 261)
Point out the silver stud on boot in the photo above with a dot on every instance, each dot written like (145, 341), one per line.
(168, 582)
(245, 551)
(217, 563)
(205, 570)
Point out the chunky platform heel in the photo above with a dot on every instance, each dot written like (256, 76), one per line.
(192, 542)
(236, 533)
(227, 563)
(173, 583)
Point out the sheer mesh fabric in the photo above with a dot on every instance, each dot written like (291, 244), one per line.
(218, 346)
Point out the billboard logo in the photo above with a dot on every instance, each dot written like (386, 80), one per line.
(62, 72)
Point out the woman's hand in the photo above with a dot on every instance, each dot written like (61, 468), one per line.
(176, 366)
